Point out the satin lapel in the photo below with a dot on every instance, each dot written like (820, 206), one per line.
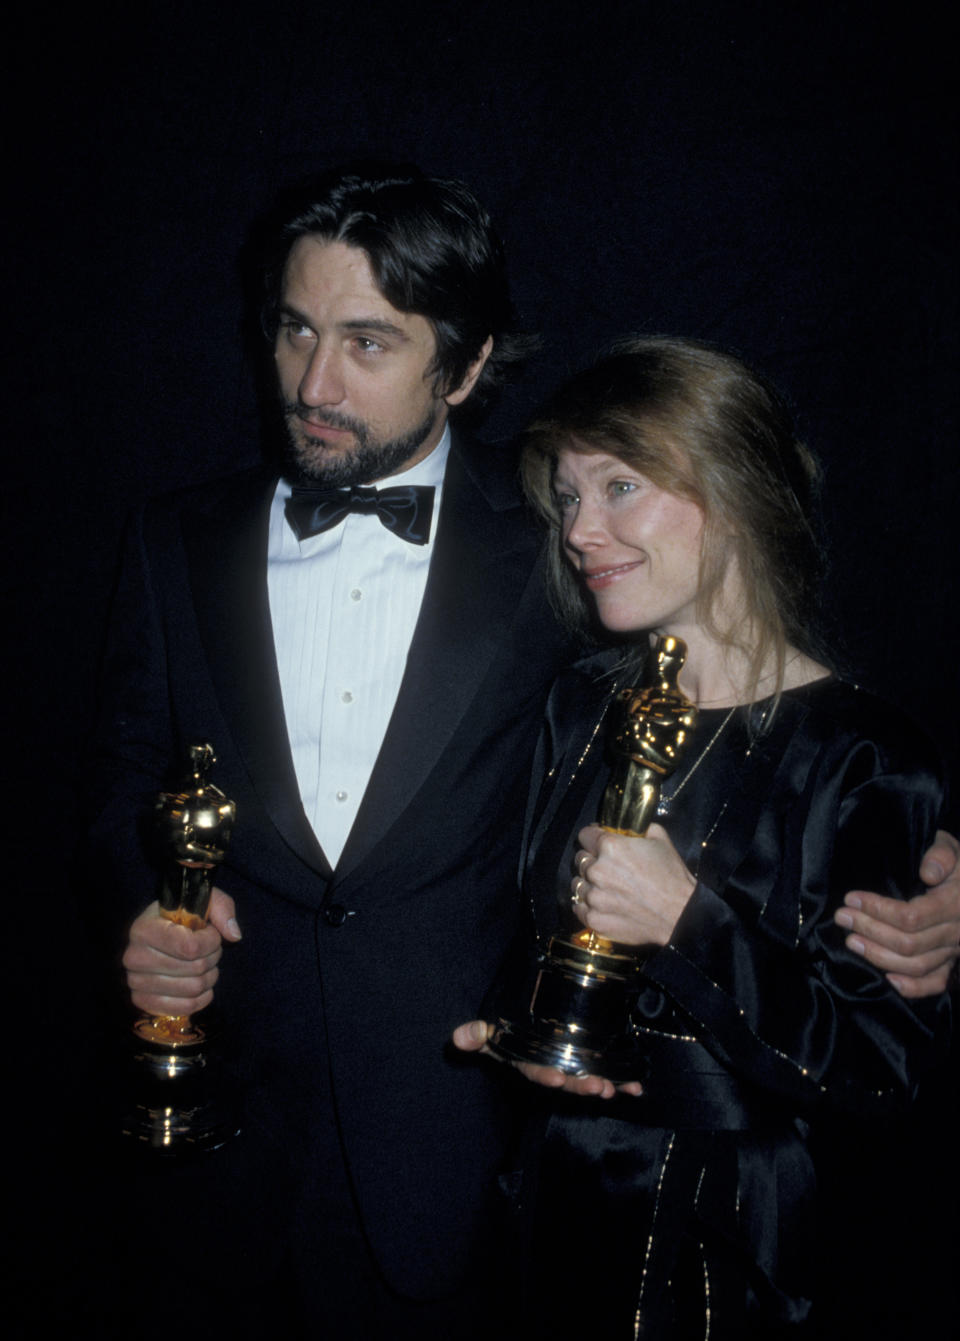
(226, 545)
(480, 566)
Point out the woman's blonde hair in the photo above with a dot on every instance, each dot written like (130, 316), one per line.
(702, 425)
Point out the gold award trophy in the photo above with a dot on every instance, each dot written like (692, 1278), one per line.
(579, 1016)
(177, 1107)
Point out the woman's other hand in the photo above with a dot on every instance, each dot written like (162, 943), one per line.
(474, 1037)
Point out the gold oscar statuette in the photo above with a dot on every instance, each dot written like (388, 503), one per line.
(179, 1101)
(579, 1016)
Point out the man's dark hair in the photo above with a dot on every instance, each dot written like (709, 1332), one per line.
(432, 250)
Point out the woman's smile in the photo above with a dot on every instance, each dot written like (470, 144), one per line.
(598, 578)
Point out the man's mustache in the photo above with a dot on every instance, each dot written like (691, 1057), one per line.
(329, 418)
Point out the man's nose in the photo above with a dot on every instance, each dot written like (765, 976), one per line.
(322, 381)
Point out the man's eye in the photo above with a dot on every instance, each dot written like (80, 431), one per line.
(367, 345)
(295, 330)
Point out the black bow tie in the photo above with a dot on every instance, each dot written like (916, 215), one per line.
(405, 510)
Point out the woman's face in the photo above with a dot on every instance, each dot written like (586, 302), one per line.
(636, 546)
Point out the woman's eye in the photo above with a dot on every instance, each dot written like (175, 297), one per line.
(619, 487)
(565, 501)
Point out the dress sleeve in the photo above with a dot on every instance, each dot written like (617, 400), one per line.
(756, 961)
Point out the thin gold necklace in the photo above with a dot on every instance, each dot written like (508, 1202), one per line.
(665, 802)
(723, 809)
(768, 675)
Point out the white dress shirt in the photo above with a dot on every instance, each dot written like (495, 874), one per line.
(344, 605)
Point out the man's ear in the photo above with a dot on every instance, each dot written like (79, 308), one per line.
(458, 396)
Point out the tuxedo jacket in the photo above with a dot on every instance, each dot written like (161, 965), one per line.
(348, 982)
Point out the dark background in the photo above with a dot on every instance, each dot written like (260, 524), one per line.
(779, 178)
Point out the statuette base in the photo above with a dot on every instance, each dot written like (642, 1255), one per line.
(578, 1019)
(180, 1106)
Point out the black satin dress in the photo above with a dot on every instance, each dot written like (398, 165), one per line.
(690, 1212)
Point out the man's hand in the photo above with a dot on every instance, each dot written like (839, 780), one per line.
(171, 970)
(473, 1037)
(915, 943)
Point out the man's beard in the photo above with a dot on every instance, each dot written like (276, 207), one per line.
(306, 462)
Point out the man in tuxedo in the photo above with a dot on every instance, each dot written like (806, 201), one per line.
(370, 669)
(366, 643)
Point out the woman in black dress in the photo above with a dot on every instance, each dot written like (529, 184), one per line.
(680, 500)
